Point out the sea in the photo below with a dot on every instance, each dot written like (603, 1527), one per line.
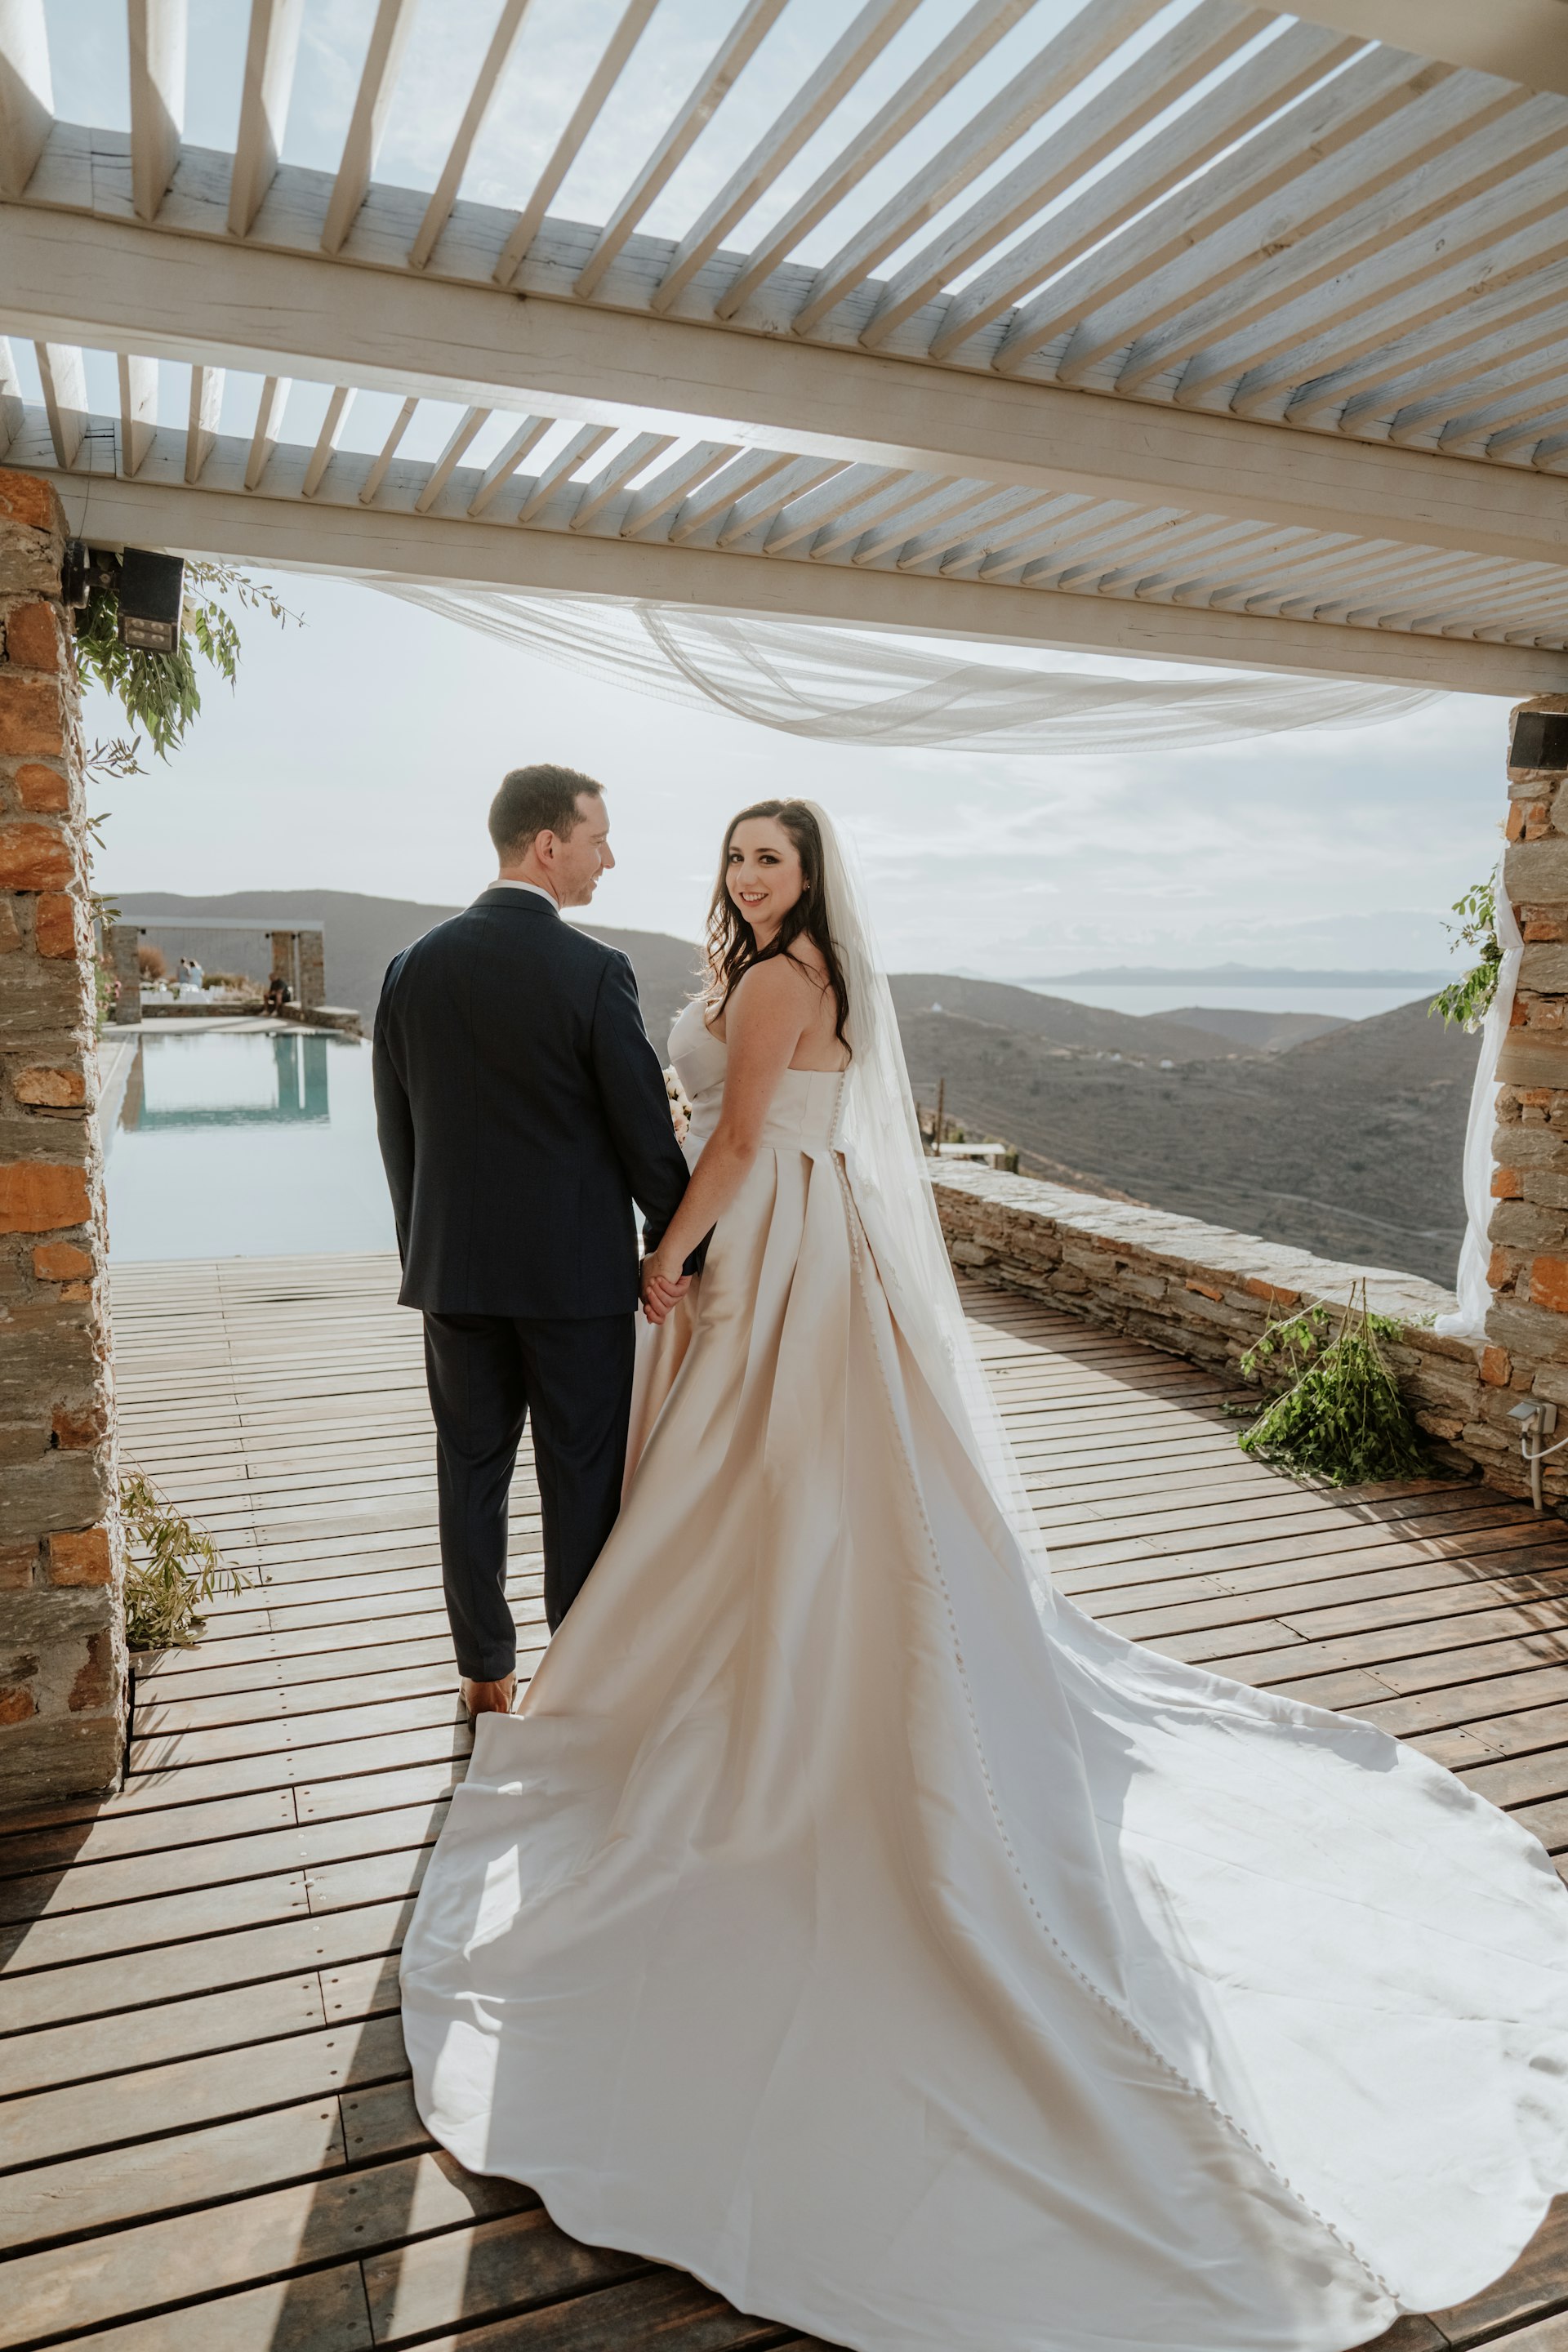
(1334, 1003)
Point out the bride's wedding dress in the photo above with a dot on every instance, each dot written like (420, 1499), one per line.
(851, 1924)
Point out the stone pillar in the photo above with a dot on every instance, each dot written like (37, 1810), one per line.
(285, 965)
(122, 944)
(312, 970)
(1528, 1323)
(63, 1649)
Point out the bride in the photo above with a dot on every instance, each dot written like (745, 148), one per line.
(848, 1920)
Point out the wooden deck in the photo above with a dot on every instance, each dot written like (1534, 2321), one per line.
(206, 2124)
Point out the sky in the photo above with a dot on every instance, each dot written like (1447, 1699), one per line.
(361, 750)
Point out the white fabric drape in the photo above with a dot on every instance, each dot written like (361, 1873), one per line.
(1474, 1291)
(860, 686)
(851, 1921)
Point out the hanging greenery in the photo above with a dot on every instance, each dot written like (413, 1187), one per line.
(1338, 1414)
(1468, 999)
(172, 1570)
(159, 692)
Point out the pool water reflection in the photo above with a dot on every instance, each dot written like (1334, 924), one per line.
(246, 1144)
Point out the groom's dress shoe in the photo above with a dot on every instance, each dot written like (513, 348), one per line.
(489, 1698)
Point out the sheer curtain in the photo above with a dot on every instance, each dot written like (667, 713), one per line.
(862, 686)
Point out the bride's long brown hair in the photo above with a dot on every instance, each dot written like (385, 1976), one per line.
(731, 946)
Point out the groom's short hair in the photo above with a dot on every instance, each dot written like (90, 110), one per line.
(542, 799)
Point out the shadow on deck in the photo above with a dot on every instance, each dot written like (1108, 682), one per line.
(205, 2126)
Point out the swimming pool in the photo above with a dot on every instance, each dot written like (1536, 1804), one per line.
(242, 1143)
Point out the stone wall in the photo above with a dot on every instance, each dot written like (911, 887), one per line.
(1204, 1293)
(62, 1656)
(1529, 1232)
(1198, 1291)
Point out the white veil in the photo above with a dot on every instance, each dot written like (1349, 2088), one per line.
(889, 1177)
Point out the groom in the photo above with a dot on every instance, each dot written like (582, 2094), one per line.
(522, 1109)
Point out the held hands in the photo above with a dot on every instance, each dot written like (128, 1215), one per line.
(662, 1285)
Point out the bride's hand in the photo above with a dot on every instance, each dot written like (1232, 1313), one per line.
(662, 1284)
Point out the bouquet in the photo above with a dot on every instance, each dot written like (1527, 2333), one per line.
(680, 1108)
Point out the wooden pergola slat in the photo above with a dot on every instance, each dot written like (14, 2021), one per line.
(1270, 316)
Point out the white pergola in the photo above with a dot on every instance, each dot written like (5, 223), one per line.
(1253, 354)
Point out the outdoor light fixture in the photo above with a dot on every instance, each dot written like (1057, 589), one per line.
(149, 590)
(1540, 740)
(152, 600)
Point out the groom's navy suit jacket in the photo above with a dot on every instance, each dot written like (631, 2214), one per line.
(521, 1110)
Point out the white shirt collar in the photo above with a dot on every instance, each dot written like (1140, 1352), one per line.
(505, 882)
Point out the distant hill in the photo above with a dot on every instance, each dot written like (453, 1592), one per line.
(1347, 1142)
(1086, 1028)
(1350, 1144)
(363, 934)
(1271, 1033)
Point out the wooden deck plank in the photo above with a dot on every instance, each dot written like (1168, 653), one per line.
(204, 2100)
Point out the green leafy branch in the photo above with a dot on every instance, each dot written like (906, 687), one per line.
(1468, 999)
(173, 1571)
(1337, 1413)
(160, 692)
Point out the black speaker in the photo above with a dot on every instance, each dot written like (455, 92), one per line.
(152, 600)
(1540, 740)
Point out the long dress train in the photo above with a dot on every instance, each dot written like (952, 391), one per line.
(920, 1964)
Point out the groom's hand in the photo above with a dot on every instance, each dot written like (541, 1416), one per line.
(659, 1290)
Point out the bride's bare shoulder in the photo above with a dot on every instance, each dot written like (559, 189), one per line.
(779, 980)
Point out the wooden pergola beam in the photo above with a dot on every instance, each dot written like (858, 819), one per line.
(341, 537)
(118, 286)
(1519, 40)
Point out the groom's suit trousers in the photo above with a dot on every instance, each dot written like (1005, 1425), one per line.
(488, 1373)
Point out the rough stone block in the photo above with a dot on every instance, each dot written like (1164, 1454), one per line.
(30, 718)
(1549, 1284)
(61, 1262)
(52, 1089)
(1544, 967)
(38, 995)
(33, 636)
(34, 856)
(30, 500)
(1537, 1058)
(1273, 1295)
(84, 1426)
(58, 1486)
(1495, 1367)
(1521, 1225)
(48, 1357)
(1532, 1334)
(39, 1196)
(45, 790)
(18, 1563)
(1545, 1187)
(55, 930)
(1449, 1384)
(81, 1556)
(1537, 871)
(1532, 1147)
(67, 1756)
